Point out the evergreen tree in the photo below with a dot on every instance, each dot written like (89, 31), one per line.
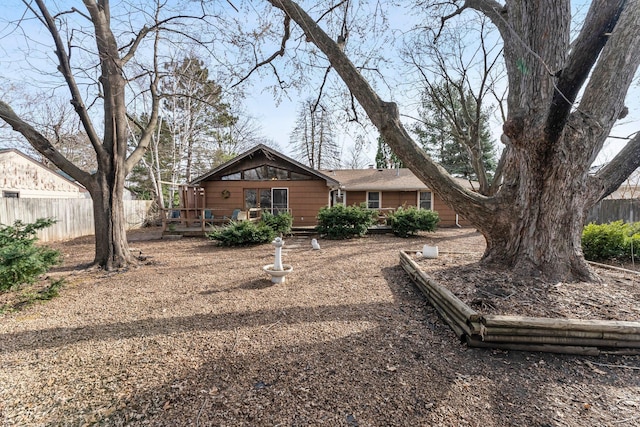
(447, 135)
(385, 157)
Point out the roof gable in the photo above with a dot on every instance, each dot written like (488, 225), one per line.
(258, 156)
(22, 171)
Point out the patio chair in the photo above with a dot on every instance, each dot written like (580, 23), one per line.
(208, 216)
(234, 215)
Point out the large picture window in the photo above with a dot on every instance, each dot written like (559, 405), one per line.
(274, 200)
(374, 199)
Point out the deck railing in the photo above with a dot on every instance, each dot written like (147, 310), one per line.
(202, 218)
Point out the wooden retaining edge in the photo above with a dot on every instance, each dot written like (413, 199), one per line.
(613, 267)
(442, 293)
(446, 306)
(569, 336)
(456, 313)
(452, 317)
(566, 333)
(545, 348)
(580, 328)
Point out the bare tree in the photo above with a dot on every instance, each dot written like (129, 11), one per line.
(108, 135)
(313, 138)
(533, 223)
(458, 78)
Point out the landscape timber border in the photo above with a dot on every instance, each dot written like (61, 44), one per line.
(553, 335)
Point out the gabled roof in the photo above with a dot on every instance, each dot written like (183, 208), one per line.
(4, 152)
(269, 153)
(401, 179)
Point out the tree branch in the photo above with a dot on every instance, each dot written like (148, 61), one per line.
(135, 43)
(610, 178)
(149, 130)
(600, 21)
(494, 11)
(65, 69)
(603, 100)
(279, 52)
(42, 144)
(385, 117)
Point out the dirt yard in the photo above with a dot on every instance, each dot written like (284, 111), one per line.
(197, 335)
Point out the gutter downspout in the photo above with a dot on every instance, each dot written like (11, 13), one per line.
(457, 223)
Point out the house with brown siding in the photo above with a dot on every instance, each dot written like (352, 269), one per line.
(264, 179)
(389, 189)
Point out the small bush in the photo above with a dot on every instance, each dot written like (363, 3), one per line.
(408, 221)
(615, 240)
(243, 233)
(342, 222)
(280, 223)
(21, 261)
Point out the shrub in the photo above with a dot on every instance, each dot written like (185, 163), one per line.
(280, 223)
(408, 221)
(615, 240)
(342, 222)
(21, 261)
(243, 233)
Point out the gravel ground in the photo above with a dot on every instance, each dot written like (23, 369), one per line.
(197, 335)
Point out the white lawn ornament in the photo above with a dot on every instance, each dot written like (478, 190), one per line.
(430, 251)
(314, 244)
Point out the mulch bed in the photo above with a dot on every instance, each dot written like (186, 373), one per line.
(198, 335)
(492, 292)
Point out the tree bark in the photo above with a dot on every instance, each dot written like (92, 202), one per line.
(111, 247)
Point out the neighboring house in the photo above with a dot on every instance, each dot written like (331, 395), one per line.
(263, 179)
(23, 177)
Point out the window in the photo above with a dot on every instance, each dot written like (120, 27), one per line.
(299, 177)
(265, 199)
(338, 198)
(424, 201)
(373, 199)
(254, 174)
(277, 173)
(11, 194)
(232, 177)
(250, 198)
(280, 197)
(274, 200)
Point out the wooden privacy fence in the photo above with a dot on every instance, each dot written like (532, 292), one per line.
(608, 210)
(75, 216)
(571, 336)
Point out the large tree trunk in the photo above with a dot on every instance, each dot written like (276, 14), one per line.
(536, 228)
(537, 232)
(112, 250)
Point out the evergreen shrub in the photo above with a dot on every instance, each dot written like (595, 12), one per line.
(280, 223)
(21, 260)
(241, 233)
(408, 221)
(615, 240)
(343, 222)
